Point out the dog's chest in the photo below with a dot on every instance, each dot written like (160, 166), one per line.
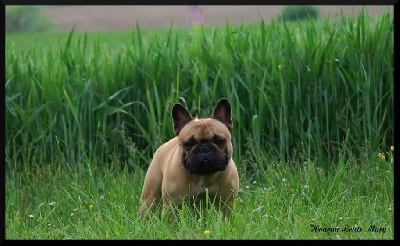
(202, 184)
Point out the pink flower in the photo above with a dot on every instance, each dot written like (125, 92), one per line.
(195, 16)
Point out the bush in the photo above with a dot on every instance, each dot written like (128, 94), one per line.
(26, 19)
(293, 13)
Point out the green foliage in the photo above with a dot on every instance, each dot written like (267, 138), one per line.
(313, 119)
(94, 202)
(297, 89)
(26, 19)
(300, 12)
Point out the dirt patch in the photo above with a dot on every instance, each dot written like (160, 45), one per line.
(109, 17)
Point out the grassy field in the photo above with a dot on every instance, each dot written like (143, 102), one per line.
(313, 128)
(94, 202)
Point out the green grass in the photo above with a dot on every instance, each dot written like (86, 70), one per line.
(298, 88)
(283, 203)
(312, 105)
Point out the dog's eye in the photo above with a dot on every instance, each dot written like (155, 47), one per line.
(189, 144)
(219, 141)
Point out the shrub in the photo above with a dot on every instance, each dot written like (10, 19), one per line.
(26, 19)
(293, 13)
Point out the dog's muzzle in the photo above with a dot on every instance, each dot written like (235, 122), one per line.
(205, 160)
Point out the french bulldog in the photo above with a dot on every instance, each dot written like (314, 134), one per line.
(195, 164)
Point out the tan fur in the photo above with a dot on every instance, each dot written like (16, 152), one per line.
(168, 181)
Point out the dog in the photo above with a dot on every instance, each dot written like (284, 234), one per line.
(195, 164)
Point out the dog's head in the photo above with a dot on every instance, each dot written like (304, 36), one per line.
(205, 144)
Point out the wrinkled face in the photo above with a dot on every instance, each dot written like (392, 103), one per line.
(206, 146)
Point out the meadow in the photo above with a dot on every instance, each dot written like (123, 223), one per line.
(313, 128)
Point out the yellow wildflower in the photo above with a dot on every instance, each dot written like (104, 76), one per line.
(392, 148)
(207, 233)
(90, 206)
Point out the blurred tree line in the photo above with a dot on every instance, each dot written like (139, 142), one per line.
(27, 18)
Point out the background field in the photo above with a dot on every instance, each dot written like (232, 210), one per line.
(313, 135)
(103, 18)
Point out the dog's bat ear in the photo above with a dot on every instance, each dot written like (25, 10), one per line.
(223, 112)
(180, 117)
